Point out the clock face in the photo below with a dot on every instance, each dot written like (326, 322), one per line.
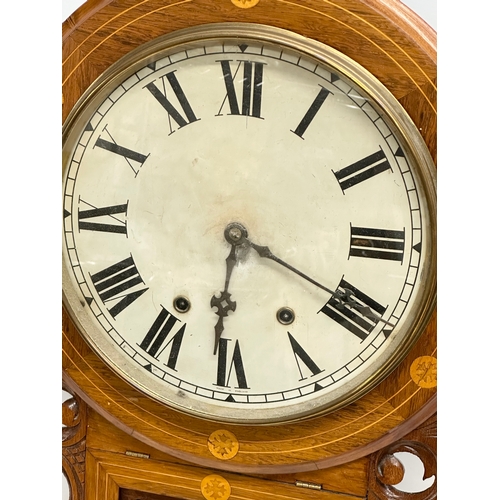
(247, 225)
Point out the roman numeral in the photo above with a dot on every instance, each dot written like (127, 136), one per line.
(223, 374)
(134, 159)
(251, 92)
(372, 243)
(103, 214)
(170, 81)
(154, 343)
(362, 170)
(300, 353)
(112, 282)
(312, 112)
(350, 318)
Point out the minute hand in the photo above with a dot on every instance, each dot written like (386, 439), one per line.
(344, 299)
(266, 253)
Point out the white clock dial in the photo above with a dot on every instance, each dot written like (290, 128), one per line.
(183, 166)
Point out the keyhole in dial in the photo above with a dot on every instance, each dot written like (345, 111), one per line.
(285, 315)
(182, 304)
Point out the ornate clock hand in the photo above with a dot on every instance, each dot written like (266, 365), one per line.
(234, 234)
(266, 253)
(345, 298)
(224, 303)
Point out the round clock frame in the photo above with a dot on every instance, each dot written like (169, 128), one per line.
(398, 49)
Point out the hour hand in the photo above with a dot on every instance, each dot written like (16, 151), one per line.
(224, 304)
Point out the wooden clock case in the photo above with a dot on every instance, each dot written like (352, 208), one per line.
(118, 440)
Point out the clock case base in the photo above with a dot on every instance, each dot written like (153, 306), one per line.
(101, 462)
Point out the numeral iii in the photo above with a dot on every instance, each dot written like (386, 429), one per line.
(373, 243)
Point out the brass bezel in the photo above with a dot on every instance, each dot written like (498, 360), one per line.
(393, 112)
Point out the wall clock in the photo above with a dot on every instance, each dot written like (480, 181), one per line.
(249, 227)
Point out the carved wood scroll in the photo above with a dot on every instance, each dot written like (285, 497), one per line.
(385, 470)
(74, 418)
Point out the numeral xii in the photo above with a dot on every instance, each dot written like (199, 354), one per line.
(251, 93)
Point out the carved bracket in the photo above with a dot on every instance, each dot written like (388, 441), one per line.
(386, 471)
(74, 418)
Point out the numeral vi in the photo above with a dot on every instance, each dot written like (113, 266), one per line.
(225, 368)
